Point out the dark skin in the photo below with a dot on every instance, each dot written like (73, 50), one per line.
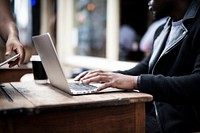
(9, 33)
(173, 8)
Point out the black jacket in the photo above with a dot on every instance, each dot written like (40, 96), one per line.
(174, 78)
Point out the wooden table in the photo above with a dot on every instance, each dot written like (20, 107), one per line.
(15, 73)
(33, 108)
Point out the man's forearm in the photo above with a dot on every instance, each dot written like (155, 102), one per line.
(7, 25)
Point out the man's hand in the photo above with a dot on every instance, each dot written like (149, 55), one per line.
(13, 44)
(107, 79)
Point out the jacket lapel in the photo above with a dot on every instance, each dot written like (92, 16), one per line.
(158, 46)
(179, 35)
(160, 49)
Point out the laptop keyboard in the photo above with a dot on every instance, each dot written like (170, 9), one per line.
(81, 87)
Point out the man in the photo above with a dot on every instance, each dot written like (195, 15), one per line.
(9, 33)
(171, 73)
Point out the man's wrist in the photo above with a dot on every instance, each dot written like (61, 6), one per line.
(137, 82)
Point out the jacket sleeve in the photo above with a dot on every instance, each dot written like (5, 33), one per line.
(175, 89)
(140, 68)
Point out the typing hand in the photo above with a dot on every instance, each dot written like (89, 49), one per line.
(107, 79)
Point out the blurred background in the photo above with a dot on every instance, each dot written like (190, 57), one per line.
(86, 31)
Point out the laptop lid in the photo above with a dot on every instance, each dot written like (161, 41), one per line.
(46, 50)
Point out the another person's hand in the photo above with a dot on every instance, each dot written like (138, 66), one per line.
(14, 45)
(9, 33)
(107, 79)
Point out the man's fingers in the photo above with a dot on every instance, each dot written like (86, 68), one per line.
(77, 78)
(21, 57)
(95, 79)
(102, 87)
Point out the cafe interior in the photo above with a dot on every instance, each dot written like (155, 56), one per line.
(108, 35)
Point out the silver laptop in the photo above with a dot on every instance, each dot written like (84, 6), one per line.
(46, 50)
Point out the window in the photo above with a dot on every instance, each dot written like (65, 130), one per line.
(70, 14)
(90, 25)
